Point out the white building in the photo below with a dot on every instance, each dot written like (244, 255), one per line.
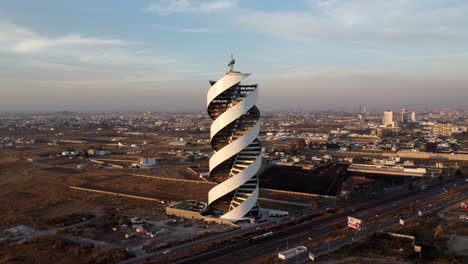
(237, 157)
(293, 253)
(387, 119)
(144, 163)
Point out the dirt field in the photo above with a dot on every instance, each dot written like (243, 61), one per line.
(56, 250)
(72, 226)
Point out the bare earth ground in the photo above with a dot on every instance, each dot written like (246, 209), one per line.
(53, 223)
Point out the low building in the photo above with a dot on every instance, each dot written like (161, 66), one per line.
(99, 153)
(295, 255)
(144, 163)
(193, 209)
(354, 182)
(387, 170)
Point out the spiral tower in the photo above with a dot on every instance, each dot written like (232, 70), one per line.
(236, 159)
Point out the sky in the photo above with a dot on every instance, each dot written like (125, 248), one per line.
(158, 55)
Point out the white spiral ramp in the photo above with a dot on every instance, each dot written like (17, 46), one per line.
(236, 159)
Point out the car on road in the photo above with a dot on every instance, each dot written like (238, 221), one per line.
(167, 251)
(464, 217)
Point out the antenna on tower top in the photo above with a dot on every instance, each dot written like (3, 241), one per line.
(231, 63)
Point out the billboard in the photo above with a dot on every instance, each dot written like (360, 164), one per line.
(354, 223)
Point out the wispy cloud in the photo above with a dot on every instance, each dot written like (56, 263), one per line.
(333, 73)
(184, 29)
(446, 56)
(402, 22)
(70, 40)
(23, 40)
(193, 30)
(189, 6)
(138, 58)
(75, 58)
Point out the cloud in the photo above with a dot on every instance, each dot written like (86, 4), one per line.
(183, 29)
(193, 30)
(70, 40)
(135, 59)
(399, 22)
(332, 73)
(72, 58)
(189, 6)
(23, 40)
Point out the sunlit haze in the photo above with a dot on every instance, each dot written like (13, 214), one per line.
(305, 55)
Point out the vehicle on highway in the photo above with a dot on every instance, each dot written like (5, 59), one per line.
(167, 251)
(261, 237)
(277, 213)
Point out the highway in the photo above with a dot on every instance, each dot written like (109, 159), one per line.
(333, 224)
(325, 225)
(380, 226)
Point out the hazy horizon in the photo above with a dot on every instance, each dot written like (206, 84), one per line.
(305, 55)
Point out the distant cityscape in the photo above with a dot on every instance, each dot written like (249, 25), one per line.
(348, 131)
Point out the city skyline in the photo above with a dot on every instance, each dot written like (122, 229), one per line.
(142, 56)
